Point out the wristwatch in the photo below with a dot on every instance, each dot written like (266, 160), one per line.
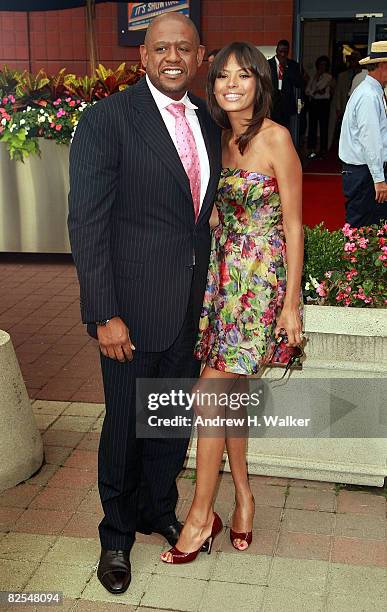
(103, 322)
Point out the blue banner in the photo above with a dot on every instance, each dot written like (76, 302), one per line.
(140, 14)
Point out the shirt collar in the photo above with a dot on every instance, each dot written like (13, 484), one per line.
(162, 101)
(373, 82)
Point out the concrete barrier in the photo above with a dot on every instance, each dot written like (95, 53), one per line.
(21, 448)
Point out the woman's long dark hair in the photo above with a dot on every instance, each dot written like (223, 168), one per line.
(249, 57)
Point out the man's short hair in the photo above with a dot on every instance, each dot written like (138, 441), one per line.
(372, 67)
(283, 43)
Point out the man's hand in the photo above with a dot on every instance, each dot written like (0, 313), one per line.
(381, 192)
(114, 340)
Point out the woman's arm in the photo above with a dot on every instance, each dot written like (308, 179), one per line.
(287, 169)
(214, 219)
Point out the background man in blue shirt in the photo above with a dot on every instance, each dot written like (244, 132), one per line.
(363, 144)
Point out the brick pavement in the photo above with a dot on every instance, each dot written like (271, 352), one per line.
(39, 307)
(316, 545)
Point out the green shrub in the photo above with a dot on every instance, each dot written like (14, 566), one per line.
(323, 252)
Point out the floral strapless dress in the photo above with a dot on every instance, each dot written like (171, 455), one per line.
(247, 274)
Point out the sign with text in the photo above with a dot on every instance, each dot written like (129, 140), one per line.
(134, 17)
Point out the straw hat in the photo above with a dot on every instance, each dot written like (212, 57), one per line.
(378, 53)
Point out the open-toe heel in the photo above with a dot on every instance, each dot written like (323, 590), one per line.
(179, 556)
(246, 536)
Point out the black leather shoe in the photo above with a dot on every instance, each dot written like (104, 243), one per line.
(114, 571)
(170, 533)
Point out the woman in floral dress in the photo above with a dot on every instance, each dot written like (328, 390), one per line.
(254, 278)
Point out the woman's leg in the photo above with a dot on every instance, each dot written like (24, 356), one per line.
(236, 450)
(198, 524)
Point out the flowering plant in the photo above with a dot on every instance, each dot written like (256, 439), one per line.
(361, 280)
(55, 121)
(34, 106)
(323, 251)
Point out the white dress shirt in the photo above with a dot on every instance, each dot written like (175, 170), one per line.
(279, 80)
(162, 101)
(319, 83)
(363, 137)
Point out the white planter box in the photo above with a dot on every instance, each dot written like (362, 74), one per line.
(33, 201)
(343, 342)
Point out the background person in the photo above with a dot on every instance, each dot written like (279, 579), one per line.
(319, 90)
(341, 94)
(212, 55)
(286, 78)
(363, 144)
(144, 166)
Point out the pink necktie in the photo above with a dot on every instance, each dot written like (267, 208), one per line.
(188, 152)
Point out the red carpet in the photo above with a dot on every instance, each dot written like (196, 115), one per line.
(323, 200)
(331, 164)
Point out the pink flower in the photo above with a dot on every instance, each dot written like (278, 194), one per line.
(52, 124)
(350, 274)
(5, 100)
(11, 99)
(5, 114)
(72, 103)
(348, 289)
(362, 242)
(348, 230)
(321, 289)
(328, 274)
(383, 257)
(68, 99)
(350, 247)
(58, 127)
(353, 259)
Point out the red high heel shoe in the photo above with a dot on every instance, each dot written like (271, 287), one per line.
(247, 536)
(186, 557)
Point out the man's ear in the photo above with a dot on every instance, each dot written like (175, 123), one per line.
(200, 55)
(143, 55)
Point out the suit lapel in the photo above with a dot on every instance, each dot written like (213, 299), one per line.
(214, 166)
(151, 127)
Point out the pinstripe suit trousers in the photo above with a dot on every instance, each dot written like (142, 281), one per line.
(137, 477)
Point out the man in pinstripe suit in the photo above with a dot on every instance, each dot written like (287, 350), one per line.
(142, 260)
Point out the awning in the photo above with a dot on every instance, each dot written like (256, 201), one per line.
(44, 5)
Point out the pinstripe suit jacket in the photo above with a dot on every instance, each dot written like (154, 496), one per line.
(131, 218)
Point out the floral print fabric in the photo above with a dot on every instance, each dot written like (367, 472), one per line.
(247, 274)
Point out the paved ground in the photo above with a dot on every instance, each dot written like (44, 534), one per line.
(317, 546)
(39, 307)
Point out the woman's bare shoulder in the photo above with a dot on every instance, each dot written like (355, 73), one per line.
(275, 133)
